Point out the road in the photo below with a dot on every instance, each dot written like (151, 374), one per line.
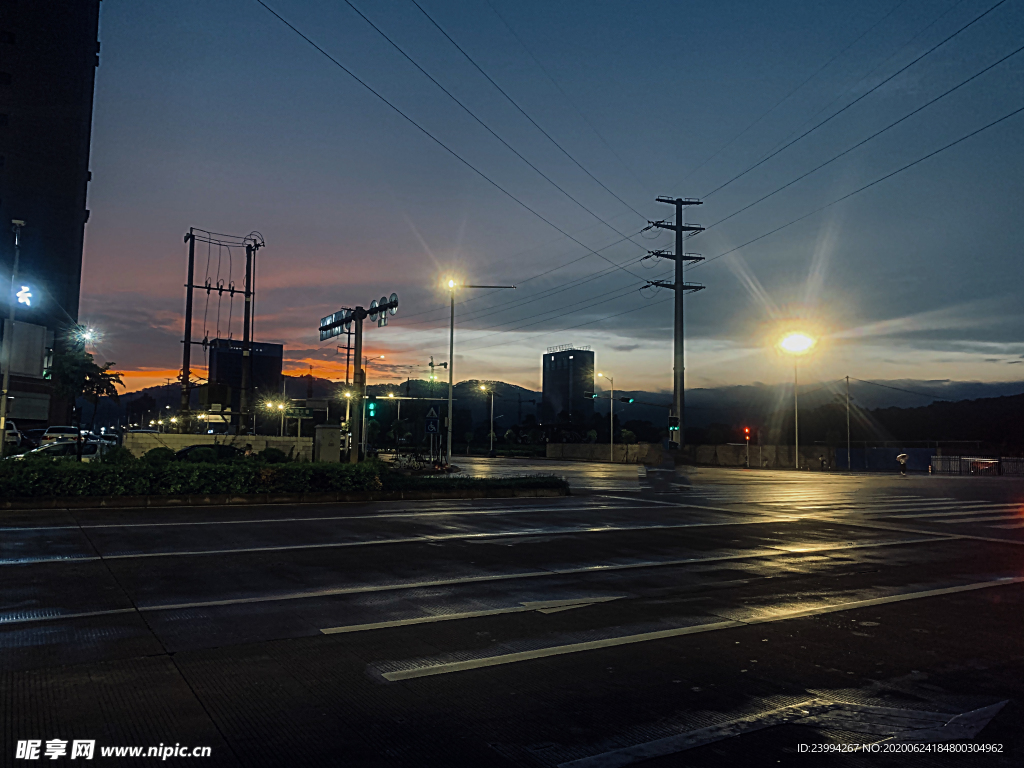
(726, 623)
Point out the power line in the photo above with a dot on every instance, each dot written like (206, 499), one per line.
(565, 95)
(900, 389)
(869, 138)
(486, 127)
(785, 98)
(866, 186)
(429, 135)
(860, 98)
(523, 112)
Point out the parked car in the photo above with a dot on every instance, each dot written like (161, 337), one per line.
(53, 434)
(223, 452)
(13, 436)
(66, 450)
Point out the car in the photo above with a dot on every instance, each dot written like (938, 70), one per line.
(13, 436)
(66, 450)
(60, 433)
(223, 452)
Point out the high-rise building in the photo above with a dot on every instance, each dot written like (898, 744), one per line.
(568, 384)
(48, 58)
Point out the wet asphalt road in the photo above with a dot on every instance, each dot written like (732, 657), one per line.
(727, 623)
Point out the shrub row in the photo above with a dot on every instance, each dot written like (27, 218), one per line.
(138, 478)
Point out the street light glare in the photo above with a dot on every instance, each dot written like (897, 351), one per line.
(797, 343)
(600, 375)
(451, 283)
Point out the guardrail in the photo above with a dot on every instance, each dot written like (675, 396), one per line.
(977, 465)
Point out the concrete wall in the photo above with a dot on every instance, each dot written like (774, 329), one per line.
(140, 442)
(638, 453)
(771, 456)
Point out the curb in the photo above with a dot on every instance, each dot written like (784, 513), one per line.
(216, 500)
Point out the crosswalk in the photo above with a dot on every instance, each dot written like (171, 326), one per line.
(808, 502)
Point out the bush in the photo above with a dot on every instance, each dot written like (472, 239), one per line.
(118, 454)
(158, 456)
(202, 456)
(146, 478)
(274, 456)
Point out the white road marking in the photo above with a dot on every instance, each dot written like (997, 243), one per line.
(540, 606)
(585, 569)
(612, 642)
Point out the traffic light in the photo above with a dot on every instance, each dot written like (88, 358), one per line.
(371, 409)
(746, 433)
(625, 399)
(673, 423)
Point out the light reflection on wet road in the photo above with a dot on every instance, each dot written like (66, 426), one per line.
(445, 609)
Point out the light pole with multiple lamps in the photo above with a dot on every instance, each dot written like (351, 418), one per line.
(452, 285)
(611, 416)
(796, 344)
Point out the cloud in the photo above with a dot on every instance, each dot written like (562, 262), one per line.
(625, 347)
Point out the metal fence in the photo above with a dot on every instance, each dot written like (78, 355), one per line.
(977, 465)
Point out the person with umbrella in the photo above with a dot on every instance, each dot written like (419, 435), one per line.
(902, 459)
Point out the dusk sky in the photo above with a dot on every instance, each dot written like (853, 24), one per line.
(220, 117)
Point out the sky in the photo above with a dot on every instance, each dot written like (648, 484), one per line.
(219, 116)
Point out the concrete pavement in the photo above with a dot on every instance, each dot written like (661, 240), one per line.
(725, 624)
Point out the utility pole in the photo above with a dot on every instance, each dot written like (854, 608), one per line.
(8, 351)
(186, 353)
(847, 423)
(358, 387)
(246, 406)
(680, 286)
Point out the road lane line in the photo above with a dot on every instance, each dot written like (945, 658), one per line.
(612, 642)
(767, 552)
(5, 621)
(540, 606)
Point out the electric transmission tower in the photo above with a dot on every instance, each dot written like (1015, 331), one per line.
(677, 418)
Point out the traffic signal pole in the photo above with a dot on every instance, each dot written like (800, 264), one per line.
(680, 286)
(358, 388)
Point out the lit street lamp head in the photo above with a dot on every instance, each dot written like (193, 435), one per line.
(797, 343)
(451, 283)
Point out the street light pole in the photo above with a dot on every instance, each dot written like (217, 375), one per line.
(848, 424)
(611, 417)
(491, 434)
(452, 285)
(796, 411)
(9, 337)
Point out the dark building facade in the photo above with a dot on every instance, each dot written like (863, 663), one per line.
(48, 58)
(226, 368)
(568, 384)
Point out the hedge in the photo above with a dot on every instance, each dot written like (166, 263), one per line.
(139, 478)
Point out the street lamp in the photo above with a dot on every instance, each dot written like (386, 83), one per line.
(611, 416)
(796, 344)
(490, 453)
(452, 285)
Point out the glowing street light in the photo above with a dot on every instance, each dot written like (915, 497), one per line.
(797, 344)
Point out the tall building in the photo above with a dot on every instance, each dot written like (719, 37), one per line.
(568, 383)
(48, 58)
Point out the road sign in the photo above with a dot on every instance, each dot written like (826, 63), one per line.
(433, 422)
(299, 413)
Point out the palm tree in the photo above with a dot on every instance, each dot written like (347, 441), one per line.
(101, 382)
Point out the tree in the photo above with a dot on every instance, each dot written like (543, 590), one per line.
(510, 436)
(626, 436)
(74, 373)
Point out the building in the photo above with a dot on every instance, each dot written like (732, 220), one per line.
(226, 368)
(568, 384)
(48, 58)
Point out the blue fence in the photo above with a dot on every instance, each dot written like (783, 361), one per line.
(884, 459)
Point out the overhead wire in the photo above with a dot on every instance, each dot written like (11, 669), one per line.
(857, 191)
(565, 95)
(785, 98)
(900, 389)
(860, 98)
(485, 126)
(866, 140)
(523, 111)
(427, 133)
